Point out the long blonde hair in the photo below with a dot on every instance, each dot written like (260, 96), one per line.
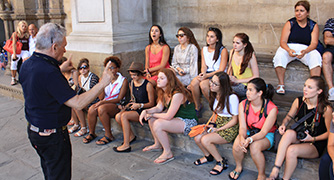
(18, 31)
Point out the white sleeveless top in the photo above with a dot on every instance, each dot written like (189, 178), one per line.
(112, 90)
(86, 80)
(208, 58)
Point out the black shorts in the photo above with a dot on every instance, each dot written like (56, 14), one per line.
(330, 49)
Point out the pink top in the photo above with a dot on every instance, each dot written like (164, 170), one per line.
(155, 60)
(253, 117)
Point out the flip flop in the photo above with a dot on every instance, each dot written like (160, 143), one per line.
(150, 148)
(163, 160)
(234, 174)
(104, 142)
(89, 138)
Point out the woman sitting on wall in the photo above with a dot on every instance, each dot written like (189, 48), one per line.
(156, 54)
(185, 57)
(243, 64)
(107, 108)
(257, 118)
(179, 116)
(142, 97)
(311, 140)
(224, 129)
(214, 59)
(87, 80)
(299, 40)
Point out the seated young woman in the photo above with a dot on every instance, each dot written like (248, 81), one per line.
(142, 97)
(156, 54)
(311, 142)
(224, 122)
(214, 59)
(243, 64)
(107, 108)
(257, 118)
(185, 57)
(326, 171)
(87, 80)
(179, 116)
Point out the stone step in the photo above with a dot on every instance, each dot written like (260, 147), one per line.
(305, 168)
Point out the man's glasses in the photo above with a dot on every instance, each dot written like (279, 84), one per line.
(83, 67)
(179, 35)
(213, 83)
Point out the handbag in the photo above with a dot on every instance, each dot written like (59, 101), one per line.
(9, 46)
(81, 89)
(199, 129)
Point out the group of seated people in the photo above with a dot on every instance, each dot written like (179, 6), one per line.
(167, 97)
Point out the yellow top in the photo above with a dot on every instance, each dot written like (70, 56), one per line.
(236, 72)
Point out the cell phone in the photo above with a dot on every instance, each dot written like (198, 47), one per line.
(182, 72)
(210, 130)
(128, 108)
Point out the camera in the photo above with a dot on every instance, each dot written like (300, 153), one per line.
(300, 130)
(253, 131)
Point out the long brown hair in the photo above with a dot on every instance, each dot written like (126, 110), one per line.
(174, 86)
(225, 90)
(249, 50)
(322, 97)
(192, 40)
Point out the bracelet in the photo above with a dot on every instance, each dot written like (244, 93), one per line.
(314, 140)
(148, 70)
(251, 140)
(141, 105)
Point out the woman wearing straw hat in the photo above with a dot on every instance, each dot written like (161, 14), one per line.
(142, 97)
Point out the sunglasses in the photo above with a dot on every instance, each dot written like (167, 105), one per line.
(83, 67)
(179, 35)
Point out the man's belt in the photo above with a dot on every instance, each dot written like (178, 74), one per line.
(36, 129)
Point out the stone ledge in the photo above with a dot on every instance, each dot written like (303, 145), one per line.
(305, 167)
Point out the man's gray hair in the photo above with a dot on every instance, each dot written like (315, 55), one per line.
(49, 34)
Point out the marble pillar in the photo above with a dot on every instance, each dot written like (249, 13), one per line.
(109, 26)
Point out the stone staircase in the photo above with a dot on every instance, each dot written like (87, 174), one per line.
(296, 75)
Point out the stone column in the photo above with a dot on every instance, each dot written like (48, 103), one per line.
(109, 26)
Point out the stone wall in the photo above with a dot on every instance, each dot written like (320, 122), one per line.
(262, 20)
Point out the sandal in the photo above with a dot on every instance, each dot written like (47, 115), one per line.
(235, 173)
(223, 164)
(71, 123)
(208, 159)
(82, 132)
(104, 141)
(163, 160)
(280, 89)
(74, 128)
(13, 82)
(89, 138)
(277, 176)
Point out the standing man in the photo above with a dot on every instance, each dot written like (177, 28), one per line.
(327, 57)
(32, 39)
(49, 99)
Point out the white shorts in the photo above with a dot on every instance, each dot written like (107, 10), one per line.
(13, 64)
(311, 59)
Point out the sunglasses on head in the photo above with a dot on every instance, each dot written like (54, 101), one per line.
(83, 67)
(179, 35)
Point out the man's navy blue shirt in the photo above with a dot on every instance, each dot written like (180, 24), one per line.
(45, 91)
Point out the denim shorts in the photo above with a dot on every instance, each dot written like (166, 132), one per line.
(270, 137)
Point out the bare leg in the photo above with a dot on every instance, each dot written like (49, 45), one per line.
(256, 149)
(81, 116)
(295, 151)
(238, 155)
(288, 138)
(127, 132)
(205, 87)
(198, 139)
(161, 128)
(107, 111)
(156, 144)
(92, 119)
(280, 72)
(315, 71)
(327, 69)
(195, 91)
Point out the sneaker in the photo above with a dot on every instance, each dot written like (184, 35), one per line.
(331, 94)
(13, 82)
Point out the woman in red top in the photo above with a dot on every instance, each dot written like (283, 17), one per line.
(156, 54)
(257, 117)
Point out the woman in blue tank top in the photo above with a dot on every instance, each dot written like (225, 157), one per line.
(299, 40)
